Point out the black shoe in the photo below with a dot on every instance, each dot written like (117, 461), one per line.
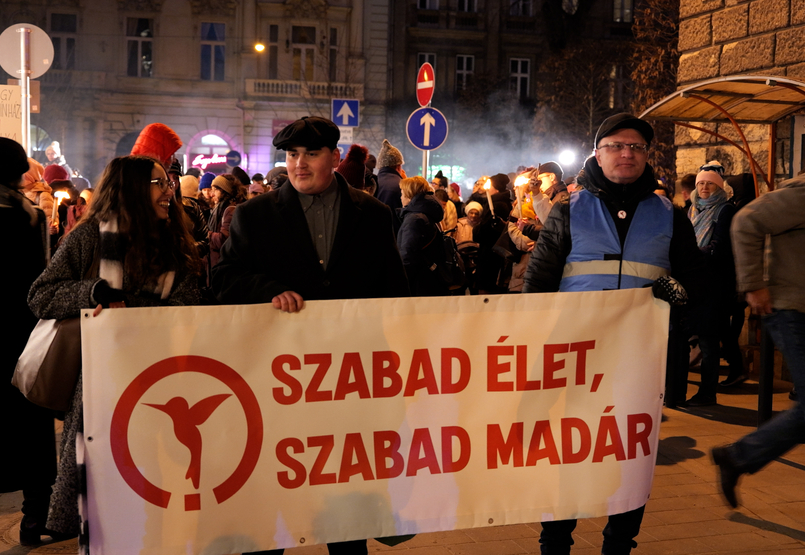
(700, 400)
(728, 474)
(31, 533)
(730, 381)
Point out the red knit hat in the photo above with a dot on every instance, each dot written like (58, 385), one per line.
(54, 172)
(158, 141)
(353, 166)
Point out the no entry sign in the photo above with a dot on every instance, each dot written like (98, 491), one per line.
(424, 84)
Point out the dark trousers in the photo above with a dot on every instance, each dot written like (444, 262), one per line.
(619, 533)
(354, 547)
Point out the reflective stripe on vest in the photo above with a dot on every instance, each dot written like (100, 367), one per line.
(596, 262)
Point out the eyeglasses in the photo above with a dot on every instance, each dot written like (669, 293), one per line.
(164, 184)
(634, 147)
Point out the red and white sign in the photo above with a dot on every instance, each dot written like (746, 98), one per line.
(425, 83)
(366, 418)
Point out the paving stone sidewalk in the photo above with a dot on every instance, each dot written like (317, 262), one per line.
(685, 515)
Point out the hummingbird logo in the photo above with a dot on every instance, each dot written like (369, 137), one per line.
(186, 420)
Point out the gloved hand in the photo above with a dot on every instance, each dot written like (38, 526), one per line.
(669, 290)
(104, 294)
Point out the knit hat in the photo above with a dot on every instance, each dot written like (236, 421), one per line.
(158, 141)
(206, 181)
(35, 171)
(224, 184)
(196, 172)
(713, 165)
(256, 188)
(551, 167)
(473, 206)
(389, 156)
(712, 176)
(456, 188)
(500, 181)
(55, 172)
(13, 161)
(353, 167)
(624, 121)
(241, 176)
(54, 146)
(189, 186)
(176, 168)
(310, 132)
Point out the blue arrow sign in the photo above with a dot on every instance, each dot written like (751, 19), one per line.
(345, 112)
(233, 158)
(426, 128)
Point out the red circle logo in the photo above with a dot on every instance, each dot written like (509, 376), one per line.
(186, 420)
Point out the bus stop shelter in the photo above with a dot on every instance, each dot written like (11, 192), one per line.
(739, 100)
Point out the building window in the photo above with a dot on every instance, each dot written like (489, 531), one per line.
(213, 50)
(428, 4)
(521, 7)
(467, 5)
(63, 29)
(618, 86)
(622, 11)
(304, 50)
(333, 54)
(519, 76)
(425, 58)
(465, 66)
(273, 51)
(139, 47)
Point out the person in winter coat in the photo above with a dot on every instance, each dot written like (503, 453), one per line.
(616, 218)
(419, 238)
(131, 249)
(389, 175)
(55, 158)
(773, 280)
(711, 213)
(39, 192)
(29, 463)
(491, 265)
(228, 194)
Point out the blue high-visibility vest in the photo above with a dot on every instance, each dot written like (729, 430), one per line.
(596, 262)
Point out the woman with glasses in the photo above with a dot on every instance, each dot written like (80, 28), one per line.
(131, 249)
(711, 214)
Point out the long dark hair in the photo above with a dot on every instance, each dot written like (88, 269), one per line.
(153, 246)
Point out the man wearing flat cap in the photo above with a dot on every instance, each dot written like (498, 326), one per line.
(317, 239)
(614, 218)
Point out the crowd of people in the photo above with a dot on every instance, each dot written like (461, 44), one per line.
(327, 227)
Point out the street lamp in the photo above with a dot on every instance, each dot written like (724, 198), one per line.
(259, 46)
(567, 157)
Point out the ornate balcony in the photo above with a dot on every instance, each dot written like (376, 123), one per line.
(303, 89)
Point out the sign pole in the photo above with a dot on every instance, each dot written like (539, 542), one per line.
(25, 87)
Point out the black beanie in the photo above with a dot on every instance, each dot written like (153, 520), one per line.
(13, 161)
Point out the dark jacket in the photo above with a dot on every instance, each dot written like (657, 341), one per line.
(270, 251)
(29, 438)
(420, 243)
(388, 188)
(554, 245)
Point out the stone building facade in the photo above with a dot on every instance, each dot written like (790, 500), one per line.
(191, 64)
(720, 38)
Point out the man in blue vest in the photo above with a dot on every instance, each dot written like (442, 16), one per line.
(614, 233)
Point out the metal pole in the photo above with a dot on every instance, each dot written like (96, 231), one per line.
(25, 87)
(425, 164)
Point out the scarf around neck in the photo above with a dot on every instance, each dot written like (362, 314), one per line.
(113, 252)
(703, 214)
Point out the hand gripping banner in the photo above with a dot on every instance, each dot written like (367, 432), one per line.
(225, 429)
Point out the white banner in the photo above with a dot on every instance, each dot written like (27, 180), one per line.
(236, 428)
(10, 112)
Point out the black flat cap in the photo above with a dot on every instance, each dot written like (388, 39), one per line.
(624, 121)
(310, 132)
